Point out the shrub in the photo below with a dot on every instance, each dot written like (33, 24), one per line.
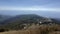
(2, 30)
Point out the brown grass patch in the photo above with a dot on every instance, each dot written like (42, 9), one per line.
(35, 29)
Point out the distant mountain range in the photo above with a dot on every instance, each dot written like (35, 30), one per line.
(16, 22)
(30, 18)
(4, 17)
(51, 14)
(27, 18)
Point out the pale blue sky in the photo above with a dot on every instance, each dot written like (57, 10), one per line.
(44, 7)
(30, 5)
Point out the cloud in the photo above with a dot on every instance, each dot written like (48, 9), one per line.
(36, 8)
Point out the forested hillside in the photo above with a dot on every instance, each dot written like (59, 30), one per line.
(20, 21)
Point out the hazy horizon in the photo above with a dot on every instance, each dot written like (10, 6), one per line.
(40, 13)
(50, 8)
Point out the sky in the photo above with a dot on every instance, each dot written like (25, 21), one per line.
(34, 5)
(43, 6)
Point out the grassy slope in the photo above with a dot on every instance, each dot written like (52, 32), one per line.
(36, 29)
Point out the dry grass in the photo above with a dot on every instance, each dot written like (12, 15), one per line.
(56, 32)
(36, 29)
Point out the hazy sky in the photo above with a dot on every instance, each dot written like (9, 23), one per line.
(34, 5)
(51, 6)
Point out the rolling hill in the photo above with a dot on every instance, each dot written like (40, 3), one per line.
(21, 21)
(4, 17)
